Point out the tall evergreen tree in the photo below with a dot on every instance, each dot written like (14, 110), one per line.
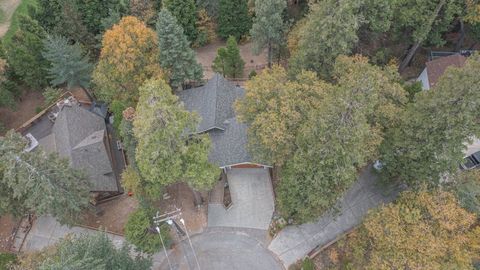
(24, 53)
(85, 252)
(228, 60)
(166, 152)
(429, 140)
(330, 30)
(268, 26)
(186, 14)
(68, 63)
(176, 57)
(40, 183)
(233, 19)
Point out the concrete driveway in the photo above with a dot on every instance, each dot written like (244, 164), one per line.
(252, 201)
(220, 249)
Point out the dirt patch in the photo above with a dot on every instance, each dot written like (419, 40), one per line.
(25, 109)
(206, 55)
(8, 7)
(7, 226)
(181, 197)
(112, 215)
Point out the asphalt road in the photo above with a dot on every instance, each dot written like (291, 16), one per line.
(220, 250)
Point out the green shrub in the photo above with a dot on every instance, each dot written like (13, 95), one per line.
(413, 89)
(116, 108)
(138, 232)
(6, 259)
(252, 74)
(51, 95)
(25, 8)
(307, 264)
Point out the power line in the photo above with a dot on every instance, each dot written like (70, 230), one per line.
(190, 241)
(157, 222)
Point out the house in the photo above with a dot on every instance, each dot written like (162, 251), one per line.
(214, 103)
(78, 132)
(435, 68)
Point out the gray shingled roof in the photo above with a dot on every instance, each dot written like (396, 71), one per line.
(214, 104)
(78, 135)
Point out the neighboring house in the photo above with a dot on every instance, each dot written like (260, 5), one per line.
(214, 103)
(435, 68)
(78, 132)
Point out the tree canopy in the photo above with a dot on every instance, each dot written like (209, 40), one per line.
(84, 252)
(40, 183)
(129, 56)
(429, 139)
(166, 151)
(233, 19)
(228, 61)
(68, 63)
(185, 13)
(176, 57)
(268, 27)
(419, 231)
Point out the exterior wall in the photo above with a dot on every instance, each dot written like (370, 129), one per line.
(424, 79)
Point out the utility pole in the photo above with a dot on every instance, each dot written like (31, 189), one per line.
(190, 242)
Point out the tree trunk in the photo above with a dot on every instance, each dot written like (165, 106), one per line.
(411, 52)
(419, 42)
(460, 40)
(269, 55)
(198, 200)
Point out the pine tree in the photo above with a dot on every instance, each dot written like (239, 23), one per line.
(40, 183)
(185, 13)
(268, 26)
(24, 53)
(68, 63)
(166, 153)
(176, 57)
(233, 19)
(228, 60)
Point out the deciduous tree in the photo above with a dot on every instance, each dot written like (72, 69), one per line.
(233, 19)
(429, 140)
(166, 151)
(420, 231)
(274, 107)
(68, 63)
(228, 61)
(185, 13)
(40, 183)
(176, 57)
(206, 29)
(268, 27)
(129, 56)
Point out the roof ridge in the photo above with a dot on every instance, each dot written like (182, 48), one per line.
(216, 76)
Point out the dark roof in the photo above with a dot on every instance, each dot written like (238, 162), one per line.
(437, 67)
(79, 135)
(214, 104)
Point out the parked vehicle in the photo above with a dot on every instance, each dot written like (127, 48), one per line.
(470, 162)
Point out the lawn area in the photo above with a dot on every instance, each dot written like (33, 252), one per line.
(22, 9)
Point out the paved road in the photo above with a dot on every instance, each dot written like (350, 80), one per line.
(223, 249)
(252, 196)
(295, 242)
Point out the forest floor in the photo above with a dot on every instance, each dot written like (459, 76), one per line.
(206, 55)
(25, 108)
(7, 7)
(7, 225)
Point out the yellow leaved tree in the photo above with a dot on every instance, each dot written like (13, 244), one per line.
(129, 57)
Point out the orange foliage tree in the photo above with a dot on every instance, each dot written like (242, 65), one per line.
(424, 230)
(129, 57)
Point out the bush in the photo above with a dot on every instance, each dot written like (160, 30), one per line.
(51, 95)
(139, 231)
(413, 89)
(7, 259)
(116, 108)
(307, 264)
(252, 74)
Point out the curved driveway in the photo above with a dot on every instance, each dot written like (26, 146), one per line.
(220, 250)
